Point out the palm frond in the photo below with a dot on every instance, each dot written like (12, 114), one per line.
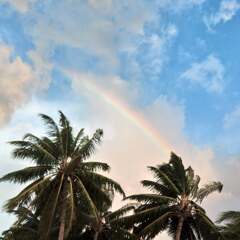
(48, 212)
(29, 150)
(160, 175)
(94, 166)
(87, 199)
(105, 182)
(85, 150)
(151, 198)
(179, 171)
(120, 212)
(229, 216)
(26, 174)
(208, 189)
(158, 188)
(25, 194)
(152, 229)
(53, 130)
(78, 138)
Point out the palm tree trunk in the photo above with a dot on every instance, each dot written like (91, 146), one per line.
(96, 236)
(62, 224)
(61, 232)
(179, 228)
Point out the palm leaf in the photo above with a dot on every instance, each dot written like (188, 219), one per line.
(25, 194)
(26, 174)
(208, 189)
(165, 179)
(48, 212)
(105, 182)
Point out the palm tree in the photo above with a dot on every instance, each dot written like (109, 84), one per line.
(25, 227)
(63, 183)
(231, 229)
(174, 204)
(108, 225)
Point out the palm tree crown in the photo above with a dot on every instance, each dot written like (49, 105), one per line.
(108, 226)
(63, 183)
(173, 204)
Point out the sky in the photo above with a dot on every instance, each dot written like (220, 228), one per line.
(156, 75)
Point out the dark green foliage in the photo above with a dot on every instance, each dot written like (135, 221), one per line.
(108, 225)
(173, 204)
(64, 189)
(231, 228)
(62, 182)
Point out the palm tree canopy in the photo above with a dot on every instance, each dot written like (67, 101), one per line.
(173, 204)
(60, 177)
(108, 225)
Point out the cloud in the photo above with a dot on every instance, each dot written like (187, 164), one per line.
(209, 74)
(21, 5)
(232, 119)
(17, 78)
(227, 10)
(104, 4)
(152, 51)
(230, 134)
(104, 30)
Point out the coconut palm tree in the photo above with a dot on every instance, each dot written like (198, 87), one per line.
(108, 225)
(62, 182)
(173, 204)
(25, 227)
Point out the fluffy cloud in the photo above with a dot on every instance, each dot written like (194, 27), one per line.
(209, 74)
(17, 79)
(227, 10)
(105, 27)
(105, 31)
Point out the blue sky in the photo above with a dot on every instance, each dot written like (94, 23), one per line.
(173, 61)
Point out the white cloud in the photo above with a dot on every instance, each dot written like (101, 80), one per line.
(104, 29)
(227, 10)
(153, 51)
(21, 5)
(104, 4)
(16, 80)
(233, 118)
(209, 74)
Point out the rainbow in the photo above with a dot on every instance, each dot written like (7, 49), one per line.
(135, 117)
